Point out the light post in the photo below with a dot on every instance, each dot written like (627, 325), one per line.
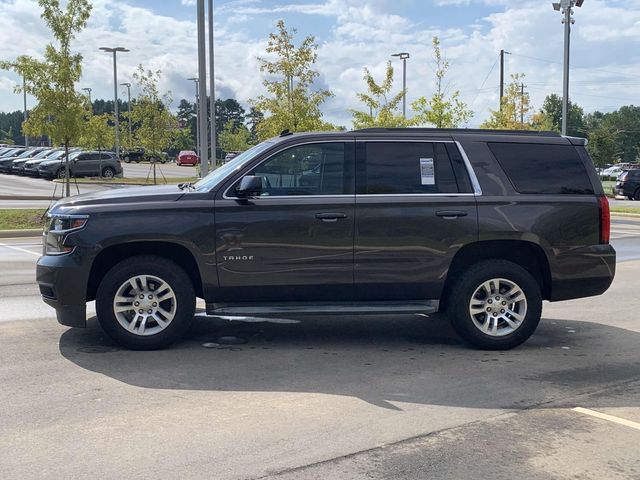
(212, 91)
(115, 50)
(566, 7)
(202, 90)
(24, 96)
(403, 56)
(88, 90)
(128, 85)
(195, 81)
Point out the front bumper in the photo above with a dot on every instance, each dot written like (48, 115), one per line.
(63, 285)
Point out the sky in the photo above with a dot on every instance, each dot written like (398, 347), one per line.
(351, 35)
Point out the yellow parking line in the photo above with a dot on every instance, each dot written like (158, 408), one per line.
(604, 416)
(18, 249)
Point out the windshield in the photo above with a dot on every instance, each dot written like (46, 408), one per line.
(42, 154)
(27, 154)
(211, 181)
(10, 152)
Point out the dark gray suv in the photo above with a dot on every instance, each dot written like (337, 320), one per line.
(480, 225)
(83, 164)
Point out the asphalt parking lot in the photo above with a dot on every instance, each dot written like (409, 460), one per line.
(323, 398)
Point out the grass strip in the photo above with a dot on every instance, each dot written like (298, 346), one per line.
(21, 218)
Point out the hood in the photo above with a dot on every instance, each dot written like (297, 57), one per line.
(125, 195)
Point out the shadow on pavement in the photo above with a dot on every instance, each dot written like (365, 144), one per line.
(381, 360)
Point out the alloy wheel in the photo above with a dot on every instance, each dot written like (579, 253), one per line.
(498, 307)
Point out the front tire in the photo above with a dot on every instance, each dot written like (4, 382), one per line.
(636, 196)
(145, 302)
(495, 305)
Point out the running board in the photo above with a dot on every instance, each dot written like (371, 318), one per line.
(327, 308)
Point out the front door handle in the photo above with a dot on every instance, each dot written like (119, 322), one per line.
(451, 214)
(330, 217)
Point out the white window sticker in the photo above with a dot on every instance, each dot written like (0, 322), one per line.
(427, 175)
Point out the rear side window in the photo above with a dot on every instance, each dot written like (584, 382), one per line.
(405, 168)
(543, 169)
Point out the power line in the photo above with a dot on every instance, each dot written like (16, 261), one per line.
(485, 81)
(576, 66)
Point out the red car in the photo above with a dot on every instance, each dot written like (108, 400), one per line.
(187, 157)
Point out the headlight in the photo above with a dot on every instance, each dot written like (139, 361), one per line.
(56, 230)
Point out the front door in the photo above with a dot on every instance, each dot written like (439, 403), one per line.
(415, 208)
(294, 242)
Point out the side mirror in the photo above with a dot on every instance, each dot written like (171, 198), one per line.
(249, 186)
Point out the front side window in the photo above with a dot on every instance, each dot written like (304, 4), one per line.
(314, 169)
(405, 168)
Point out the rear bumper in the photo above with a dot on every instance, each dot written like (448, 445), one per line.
(63, 285)
(582, 272)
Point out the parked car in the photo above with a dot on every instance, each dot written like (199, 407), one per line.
(18, 165)
(481, 225)
(133, 155)
(628, 184)
(31, 165)
(612, 172)
(12, 152)
(83, 164)
(6, 163)
(187, 157)
(162, 157)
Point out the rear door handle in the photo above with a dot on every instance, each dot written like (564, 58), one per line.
(330, 217)
(451, 214)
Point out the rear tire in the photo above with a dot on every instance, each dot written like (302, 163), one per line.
(495, 305)
(636, 196)
(108, 172)
(145, 302)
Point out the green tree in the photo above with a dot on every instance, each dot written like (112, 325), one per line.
(383, 108)
(441, 110)
(552, 109)
(254, 117)
(59, 112)
(97, 133)
(234, 138)
(515, 113)
(182, 140)
(290, 104)
(150, 112)
(626, 122)
(7, 136)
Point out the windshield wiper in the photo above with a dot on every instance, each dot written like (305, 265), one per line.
(188, 185)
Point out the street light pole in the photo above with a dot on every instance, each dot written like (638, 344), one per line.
(202, 90)
(24, 96)
(403, 56)
(88, 90)
(128, 85)
(212, 90)
(566, 7)
(195, 80)
(115, 92)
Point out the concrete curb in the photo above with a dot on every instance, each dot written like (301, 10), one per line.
(27, 232)
(633, 215)
(28, 197)
(116, 184)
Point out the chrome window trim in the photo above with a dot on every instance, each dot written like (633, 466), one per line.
(477, 191)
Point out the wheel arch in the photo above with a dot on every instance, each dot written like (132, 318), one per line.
(116, 253)
(528, 255)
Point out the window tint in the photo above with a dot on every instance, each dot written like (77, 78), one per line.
(537, 168)
(317, 169)
(406, 167)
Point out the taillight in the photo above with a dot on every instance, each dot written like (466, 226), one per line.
(605, 219)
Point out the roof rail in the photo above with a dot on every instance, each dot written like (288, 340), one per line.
(533, 133)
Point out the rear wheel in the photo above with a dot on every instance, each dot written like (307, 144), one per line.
(145, 302)
(126, 159)
(636, 196)
(495, 305)
(108, 172)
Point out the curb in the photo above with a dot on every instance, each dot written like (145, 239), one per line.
(115, 184)
(27, 232)
(28, 197)
(632, 215)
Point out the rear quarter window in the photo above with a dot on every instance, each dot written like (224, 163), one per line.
(543, 169)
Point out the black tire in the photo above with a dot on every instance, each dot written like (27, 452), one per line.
(126, 159)
(166, 270)
(108, 172)
(630, 197)
(61, 173)
(461, 292)
(636, 196)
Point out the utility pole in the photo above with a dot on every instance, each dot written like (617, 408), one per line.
(522, 104)
(115, 92)
(502, 54)
(88, 90)
(202, 91)
(566, 7)
(24, 96)
(212, 89)
(128, 85)
(403, 56)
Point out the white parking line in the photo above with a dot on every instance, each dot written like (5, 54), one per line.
(604, 416)
(18, 249)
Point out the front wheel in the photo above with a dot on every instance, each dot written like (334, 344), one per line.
(145, 302)
(495, 305)
(62, 173)
(636, 196)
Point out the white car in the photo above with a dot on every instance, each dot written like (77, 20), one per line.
(612, 172)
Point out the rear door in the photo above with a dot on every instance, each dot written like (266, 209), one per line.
(415, 208)
(295, 241)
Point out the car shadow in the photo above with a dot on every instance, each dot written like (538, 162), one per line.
(383, 360)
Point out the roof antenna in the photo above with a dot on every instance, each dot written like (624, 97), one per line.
(285, 132)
